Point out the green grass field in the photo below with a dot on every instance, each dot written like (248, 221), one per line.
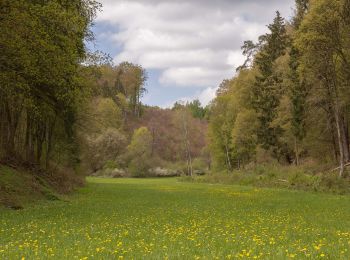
(167, 219)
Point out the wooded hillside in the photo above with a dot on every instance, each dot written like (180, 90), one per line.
(289, 102)
(120, 136)
(66, 109)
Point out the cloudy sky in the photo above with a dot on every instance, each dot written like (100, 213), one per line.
(187, 46)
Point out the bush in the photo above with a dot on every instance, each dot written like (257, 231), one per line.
(163, 172)
(276, 176)
(111, 173)
(139, 168)
(110, 165)
(140, 153)
(104, 148)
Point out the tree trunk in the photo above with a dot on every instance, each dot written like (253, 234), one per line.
(334, 143)
(345, 138)
(332, 126)
(27, 138)
(187, 145)
(229, 166)
(40, 138)
(190, 163)
(2, 127)
(13, 117)
(49, 133)
(296, 150)
(340, 141)
(189, 155)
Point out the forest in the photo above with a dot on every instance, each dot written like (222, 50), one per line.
(88, 170)
(64, 108)
(289, 102)
(69, 112)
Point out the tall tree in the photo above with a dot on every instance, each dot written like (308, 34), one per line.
(298, 89)
(130, 81)
(223, 114)
(323, 41)
(40, 58)
(298, 96)
(267, 88)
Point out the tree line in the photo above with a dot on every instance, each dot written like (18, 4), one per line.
(289, 101)
(120, 136)
(42, 48)
(63, 106)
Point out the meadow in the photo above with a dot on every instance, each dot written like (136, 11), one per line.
(168, 219)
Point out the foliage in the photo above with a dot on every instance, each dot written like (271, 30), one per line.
(140, 151)
(267, 87)
(222, 119)
(289, 101)
(110, 107)
(323, 41)
(195, 107)
(231, 137)
(244, 139)
(105, 147)
(40, 87)
(304, 178)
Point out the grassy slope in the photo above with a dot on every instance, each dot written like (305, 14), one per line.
(20, 187)
(160, 218)
(17, 188)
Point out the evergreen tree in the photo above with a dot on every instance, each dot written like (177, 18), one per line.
(267, 88)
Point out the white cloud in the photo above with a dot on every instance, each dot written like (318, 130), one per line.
(204, 96)
(195, 43)
(194, 76)
(235, 58)
(207, 95)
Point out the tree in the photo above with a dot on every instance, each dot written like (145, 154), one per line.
(298, 96)
(183, 124)
(302, 6)
(323, 41)
(249, 49)
(40, 58)
(267, 88)
(130, 82)
(244, 139)
(196, 109)
(140, 152)
(104, 147)
(223, 114)
(291, 96)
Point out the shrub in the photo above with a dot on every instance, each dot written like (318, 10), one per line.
(290, 177)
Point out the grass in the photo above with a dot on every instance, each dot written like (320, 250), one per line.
(167, 219)
(17, 188)
(21, 186)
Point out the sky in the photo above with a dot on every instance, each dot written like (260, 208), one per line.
(188, 47)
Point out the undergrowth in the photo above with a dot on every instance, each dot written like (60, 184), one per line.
(21, 185)
(289, 177)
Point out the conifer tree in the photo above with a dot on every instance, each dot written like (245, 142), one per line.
(267, 89)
